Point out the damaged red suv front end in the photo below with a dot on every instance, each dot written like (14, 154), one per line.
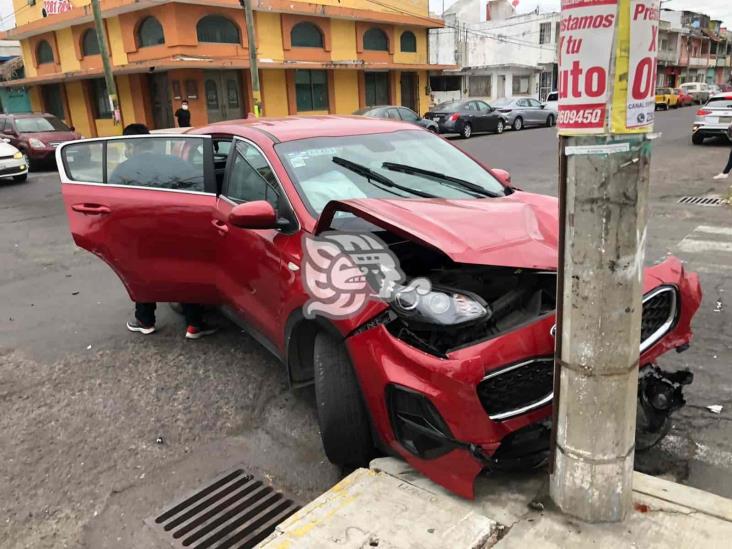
(456, 401)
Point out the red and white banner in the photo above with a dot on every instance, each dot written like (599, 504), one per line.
(54, 7)
(641, 103)
(587, 28)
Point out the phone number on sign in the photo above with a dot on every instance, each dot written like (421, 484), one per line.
(584, 117)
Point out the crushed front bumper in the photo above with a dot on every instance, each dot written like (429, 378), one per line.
(441, 395)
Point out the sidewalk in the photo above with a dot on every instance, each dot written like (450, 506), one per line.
(393, 506)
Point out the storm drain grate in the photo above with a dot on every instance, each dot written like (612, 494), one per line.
(701, 200)
(235, 510)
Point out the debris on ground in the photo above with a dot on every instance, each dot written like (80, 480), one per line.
(159, 440)
(715, 408)
(536, 505)
(76, 292)
(719, 306)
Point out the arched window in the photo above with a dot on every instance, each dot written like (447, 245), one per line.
(408, 42)
(375, 39)
(89, 43)
(44, 53)
(218, 29)
(150, 33)
(306, 35)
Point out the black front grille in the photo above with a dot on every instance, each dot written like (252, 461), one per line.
(517, 388)
(658, 309)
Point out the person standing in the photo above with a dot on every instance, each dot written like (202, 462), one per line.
(144, 319)
(724, 174)
(183, 115)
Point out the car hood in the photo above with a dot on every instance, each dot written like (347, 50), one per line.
(519, 230)
(6, 149)
(52, 137)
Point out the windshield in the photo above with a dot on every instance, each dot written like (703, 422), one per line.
(448, 106)
(719, 103)
(319, 179)
(40, 124)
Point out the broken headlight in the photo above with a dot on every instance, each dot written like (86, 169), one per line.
(442, 307)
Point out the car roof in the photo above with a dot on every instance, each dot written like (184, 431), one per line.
(301, 127)
(725, 95)
(30, 114)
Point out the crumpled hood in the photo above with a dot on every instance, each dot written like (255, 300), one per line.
(520, 230)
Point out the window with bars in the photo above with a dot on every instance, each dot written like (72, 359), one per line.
(375, 40)
(545, 33)
(44, 53)
(306, 35)
(377, 88)
(311, 90)
(89, 43)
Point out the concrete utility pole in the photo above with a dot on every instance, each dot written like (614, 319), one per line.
(253, 68)
(108, 76)
(604, 181)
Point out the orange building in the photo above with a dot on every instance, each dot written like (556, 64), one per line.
(325, 56)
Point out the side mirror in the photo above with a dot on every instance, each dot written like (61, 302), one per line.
(503, 176)
(258, 214)
(543, 105)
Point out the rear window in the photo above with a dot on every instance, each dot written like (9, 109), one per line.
(720, 103)
(40, 124)
(448, 106)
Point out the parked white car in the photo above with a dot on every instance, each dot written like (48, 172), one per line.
(698, 90)
(713, 119)
(552, 102)
(13, 163)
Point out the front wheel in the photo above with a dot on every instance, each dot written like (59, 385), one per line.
(467, 131)
(518, 124)
(20, 178)
(500, 127)
(550, 121)
(343, 419)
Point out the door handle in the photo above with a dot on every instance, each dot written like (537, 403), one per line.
(222, 227)
(91, 209)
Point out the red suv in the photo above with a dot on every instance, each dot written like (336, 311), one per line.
(36, 134)
(280, 222)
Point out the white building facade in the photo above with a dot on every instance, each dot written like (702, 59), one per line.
(499, 53)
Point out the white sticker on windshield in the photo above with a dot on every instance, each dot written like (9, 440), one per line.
(327, 151)
(297, 162)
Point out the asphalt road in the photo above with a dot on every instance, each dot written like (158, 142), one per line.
(82, 401)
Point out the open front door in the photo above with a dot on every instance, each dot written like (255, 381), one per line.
(144, 204)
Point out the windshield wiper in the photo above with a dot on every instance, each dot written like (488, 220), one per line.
(373, 176)
(413, 170)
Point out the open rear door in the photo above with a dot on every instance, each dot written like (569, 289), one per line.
(144, 204)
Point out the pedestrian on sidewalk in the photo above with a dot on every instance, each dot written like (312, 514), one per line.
(724, 174)
(144, 320)
(183, 115)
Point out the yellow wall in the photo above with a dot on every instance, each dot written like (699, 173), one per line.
(406, 57)
(343, 40)
(422, 94)
(28, 63)
(77, 106)
(346, 91)
(114, 34)
(126, 102)
(274, 86)
(35, 99)
(67, 55)
(269, 36)
(106, 127)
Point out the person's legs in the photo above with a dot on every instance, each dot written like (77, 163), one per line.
(197, 328)
(727, 169)
(144, 321)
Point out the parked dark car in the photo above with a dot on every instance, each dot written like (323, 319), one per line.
(523, 112)
(36, 134)
(455, 377)
(467, 117)
(393, 112)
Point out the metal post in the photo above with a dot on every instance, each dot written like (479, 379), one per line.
(253, 68)
(108, 76)
(604, 180)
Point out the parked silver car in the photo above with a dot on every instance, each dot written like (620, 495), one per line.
(712, 119)
(525, 111)
(13, 163)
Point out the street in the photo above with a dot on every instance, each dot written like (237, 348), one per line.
(99, 426)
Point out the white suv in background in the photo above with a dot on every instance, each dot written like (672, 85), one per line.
(713, 119)
(552, 102)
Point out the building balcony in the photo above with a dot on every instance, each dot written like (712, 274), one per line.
(668, 57)
(698, 62)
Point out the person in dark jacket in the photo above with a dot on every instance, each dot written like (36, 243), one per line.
(183, 115)
(144, 320)
(728, 168)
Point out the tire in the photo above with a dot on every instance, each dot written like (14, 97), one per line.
(20, 178)
(342, 416)
(433, 129)
(697, 139)
(518, 124)
(467, 131)
(500, 127)
(550, 121)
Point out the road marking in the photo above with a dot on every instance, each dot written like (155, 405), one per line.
(698, 246)
(713, 230)
(707, 238)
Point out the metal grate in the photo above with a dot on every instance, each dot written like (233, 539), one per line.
(701, 200)
(518, 388)
(235, 510)
(659, 313)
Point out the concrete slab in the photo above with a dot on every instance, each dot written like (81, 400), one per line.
(373, 509)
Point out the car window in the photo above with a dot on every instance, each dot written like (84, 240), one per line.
(408, 115)
(84, 161)
(471, 106)
(392, 114)
(483, 106)
(40, 124)
(250, 177)
(534, 103)
(554, 96)
(719, 103)
(2, 124)
(522, 103)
